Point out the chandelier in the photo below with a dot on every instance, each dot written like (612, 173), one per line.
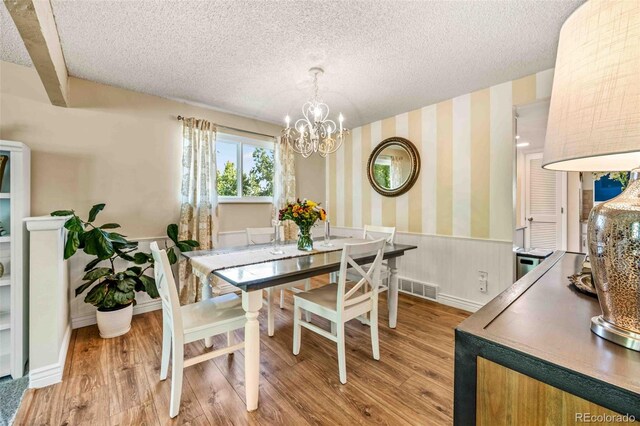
(315, 132)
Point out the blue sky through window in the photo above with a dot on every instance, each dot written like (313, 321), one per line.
(247, 157)
(225, 152)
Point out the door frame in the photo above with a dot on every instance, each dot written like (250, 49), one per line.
(561, 198)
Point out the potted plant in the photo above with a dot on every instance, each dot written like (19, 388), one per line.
(303, 213)
(113, 285)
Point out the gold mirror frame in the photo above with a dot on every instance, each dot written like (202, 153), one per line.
(413, 174)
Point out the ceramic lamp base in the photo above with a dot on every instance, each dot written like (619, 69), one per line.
(615, 334)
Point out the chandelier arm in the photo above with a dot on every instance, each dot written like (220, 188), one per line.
(339, 140)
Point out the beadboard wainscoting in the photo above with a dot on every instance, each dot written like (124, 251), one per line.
(460, 210)
(449, 267)
(84, 314)
(444, 269)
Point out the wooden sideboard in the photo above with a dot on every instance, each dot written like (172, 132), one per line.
(529, 357)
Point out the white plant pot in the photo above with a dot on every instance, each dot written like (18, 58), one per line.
(114, 323)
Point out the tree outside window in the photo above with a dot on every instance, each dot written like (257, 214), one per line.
(382, 175)
(258, 180)
(228, 180)
(244, 168)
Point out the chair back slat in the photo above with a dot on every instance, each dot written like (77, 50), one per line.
(167, 287)
(357, 299)
(370, 274)
(373, 232)
(263, 235)
(365, 278)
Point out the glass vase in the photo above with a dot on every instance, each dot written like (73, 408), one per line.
(277, 243)
(327, 234)
(305, 242)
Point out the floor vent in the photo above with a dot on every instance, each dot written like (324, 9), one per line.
(417, 288)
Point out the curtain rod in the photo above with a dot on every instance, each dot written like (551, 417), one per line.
(181, 118)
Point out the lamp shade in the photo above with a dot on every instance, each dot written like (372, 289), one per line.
(594, 116)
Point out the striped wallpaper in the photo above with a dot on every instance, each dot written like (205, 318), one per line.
(466, 148)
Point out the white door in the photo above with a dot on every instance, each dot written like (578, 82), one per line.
(545, 205)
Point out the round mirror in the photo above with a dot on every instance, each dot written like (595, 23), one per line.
(393, 166)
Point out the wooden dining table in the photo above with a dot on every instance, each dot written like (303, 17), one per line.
(253, 278)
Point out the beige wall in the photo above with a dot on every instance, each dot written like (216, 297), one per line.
(310, 178)
(574, 191)
(119, 147)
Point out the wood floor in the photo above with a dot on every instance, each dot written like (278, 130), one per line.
(116, 381)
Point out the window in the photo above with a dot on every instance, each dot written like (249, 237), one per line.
(382, 171)
(245, 169)
(605, 188)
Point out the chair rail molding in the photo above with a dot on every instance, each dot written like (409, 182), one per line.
(49, 320)
(451, 264)
(454, 272)
(83, 314)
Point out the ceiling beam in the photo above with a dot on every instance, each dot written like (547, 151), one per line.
(37, 27)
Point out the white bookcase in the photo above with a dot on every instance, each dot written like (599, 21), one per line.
(14, 294)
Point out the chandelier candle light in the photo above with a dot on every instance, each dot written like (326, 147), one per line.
(315, 132)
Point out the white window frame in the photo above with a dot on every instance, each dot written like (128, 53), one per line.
(238, 141)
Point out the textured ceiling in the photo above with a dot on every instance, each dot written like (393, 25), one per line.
(11, 46)
(380, 57)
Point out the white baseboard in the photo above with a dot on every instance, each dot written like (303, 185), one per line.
(459, 302)
(151, 305)
(140, 308)
(51, 374)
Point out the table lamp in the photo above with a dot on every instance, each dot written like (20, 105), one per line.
(594, 125)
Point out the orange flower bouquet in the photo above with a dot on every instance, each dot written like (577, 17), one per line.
(304, 213)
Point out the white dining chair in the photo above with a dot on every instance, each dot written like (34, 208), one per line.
(262, 235)
(185, 324)
(343, 302)
(373, 232)
(266, 235)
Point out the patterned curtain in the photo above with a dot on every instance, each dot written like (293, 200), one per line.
(198, 212)
(396, 171)
(285, 184)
